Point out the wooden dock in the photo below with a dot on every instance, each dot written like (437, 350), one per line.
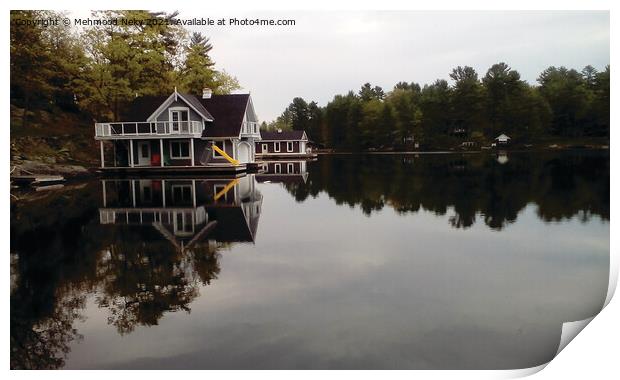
(175, 171)
(36, 179)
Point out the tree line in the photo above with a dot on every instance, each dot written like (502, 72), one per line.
(564, 103)
(99, 69)
(469, 188)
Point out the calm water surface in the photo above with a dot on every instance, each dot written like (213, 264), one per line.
(429, 262)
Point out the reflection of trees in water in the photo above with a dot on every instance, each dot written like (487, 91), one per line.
(140, 282)
(42, 343)
(562, 185)
(65, 255)
(52, 275)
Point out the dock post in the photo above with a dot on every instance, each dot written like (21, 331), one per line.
(163, 193)
(131, 153)
(102, 156)
(105, 202)
(161, 152)
(194, 193)
(191, 150)
(133, 192)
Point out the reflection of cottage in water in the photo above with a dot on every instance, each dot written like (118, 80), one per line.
(185, 211)
(284, 172)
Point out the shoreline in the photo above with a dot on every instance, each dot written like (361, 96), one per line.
(494, 150)
(73, 172)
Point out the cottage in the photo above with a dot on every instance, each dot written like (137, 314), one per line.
(502, 140)
(182, 131)
(283, 144)
(287, 172)
(186, 212)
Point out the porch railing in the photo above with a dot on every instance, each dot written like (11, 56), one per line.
(155, 128)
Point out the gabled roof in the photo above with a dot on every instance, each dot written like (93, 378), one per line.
(283, 135)
(224, 112)
(228, 112)
(193, 101)
(231, 224)
(502, 137)
(146, 107)
(141, 108)
(188, 99)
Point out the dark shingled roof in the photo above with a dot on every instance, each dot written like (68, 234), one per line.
(143, 107)
(228, 112)
(283, 135)
(196, 104)
(231, 224)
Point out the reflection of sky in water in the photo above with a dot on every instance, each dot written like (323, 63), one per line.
(327, 287)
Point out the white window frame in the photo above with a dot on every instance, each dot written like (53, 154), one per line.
(276, 146)
(215, 153)
(182, 187)
(277, 168)
(183, 227)
(290, 168)
(291, 144)
(177, 109)
(219, 187)
(265, 148)
(181, 157)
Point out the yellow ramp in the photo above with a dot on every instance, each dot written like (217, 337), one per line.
(225, 155)
(229, 186)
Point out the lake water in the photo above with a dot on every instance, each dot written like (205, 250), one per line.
(357, 262)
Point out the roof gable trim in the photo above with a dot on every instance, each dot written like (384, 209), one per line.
(175, 97)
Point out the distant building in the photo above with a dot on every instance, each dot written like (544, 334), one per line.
(282, 171)
(283, 144)
(502, 140)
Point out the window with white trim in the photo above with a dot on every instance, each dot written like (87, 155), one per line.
(265, 148)
(289, 146)
(276, 146)
(221, 145)
(179, 119)
(179, 149)
(181, 193)
(290, 168)
(217, 189)
(277, 168)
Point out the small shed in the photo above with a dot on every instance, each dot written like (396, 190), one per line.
(502, 139)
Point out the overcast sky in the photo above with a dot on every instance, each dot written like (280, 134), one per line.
(329, 53)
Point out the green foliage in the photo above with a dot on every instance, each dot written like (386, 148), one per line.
(579, 101)
(566, 103)
(101, 69)
(198, 72)
(45, 64)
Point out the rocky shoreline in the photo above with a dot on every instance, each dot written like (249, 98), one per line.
(65, 170)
